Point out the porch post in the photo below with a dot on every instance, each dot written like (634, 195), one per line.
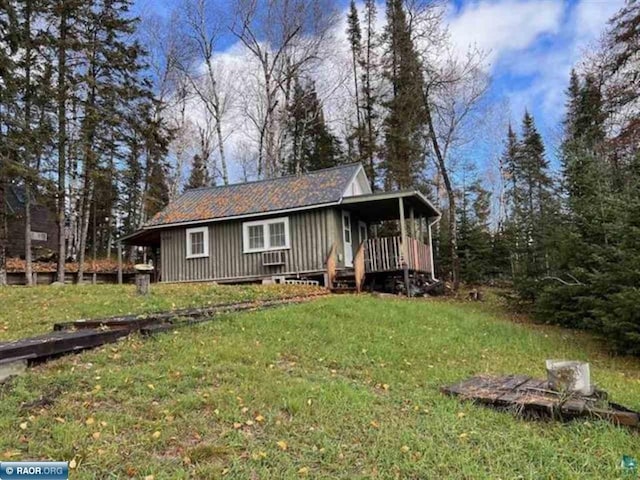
(412, 223)
(119, 263)
(403, 240)
(420, 231)
(403, 225)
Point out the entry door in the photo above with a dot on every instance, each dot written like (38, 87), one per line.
(346, 237)
(362, 230)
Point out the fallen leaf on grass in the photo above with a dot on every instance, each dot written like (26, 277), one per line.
(259, 418)
(405, 449)
(156, 434)
(73, 464)
(303, 471)
(282, 445)
(24, 425)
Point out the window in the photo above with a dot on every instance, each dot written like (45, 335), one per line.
(263, 235)
(197, 242)
(39, 236)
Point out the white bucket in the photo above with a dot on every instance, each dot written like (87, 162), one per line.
(569, 376)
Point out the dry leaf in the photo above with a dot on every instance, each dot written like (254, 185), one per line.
(73, 464)
(405, 449)
(23, 425)
(282, 445)
(156, 434)
(90, 421)
(259, 418)
(96, 435)
(303, 471)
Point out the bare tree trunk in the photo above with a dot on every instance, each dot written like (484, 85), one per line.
(28, 268)
(84, 227)
(3, 227)
(62, 142)
(442, 167)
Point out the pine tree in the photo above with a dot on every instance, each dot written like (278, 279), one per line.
(474, 237)
(622, 70)
(313, 146)
(67, 14)
(370, 99)
(405, 120)
(199, 176)
(354, 35)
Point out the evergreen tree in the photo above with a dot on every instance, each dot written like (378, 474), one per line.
(370, 98)
(199, 176)
(354, 35)
(405, 120)
(313, 146)
(474, 237)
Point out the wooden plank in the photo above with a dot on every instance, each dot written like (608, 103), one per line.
(532, 395)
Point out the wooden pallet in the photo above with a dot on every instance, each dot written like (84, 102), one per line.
(527, 395)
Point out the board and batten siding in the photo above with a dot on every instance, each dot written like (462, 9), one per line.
(312, 233)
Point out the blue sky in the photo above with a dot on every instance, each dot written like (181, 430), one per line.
(533, 45)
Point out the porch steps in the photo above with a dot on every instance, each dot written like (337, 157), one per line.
(345, 282)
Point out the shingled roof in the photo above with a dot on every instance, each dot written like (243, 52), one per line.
(272, 195)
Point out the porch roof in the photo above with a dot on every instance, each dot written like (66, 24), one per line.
(142, 238)
(385, 205)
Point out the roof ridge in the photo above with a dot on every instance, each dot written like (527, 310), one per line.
(292, 175)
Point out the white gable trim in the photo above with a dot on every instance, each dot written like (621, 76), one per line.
(358, 185)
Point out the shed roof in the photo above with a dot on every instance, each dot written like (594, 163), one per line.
(283, 193)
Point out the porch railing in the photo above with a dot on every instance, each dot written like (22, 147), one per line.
(385, 254)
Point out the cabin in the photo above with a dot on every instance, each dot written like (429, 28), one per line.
(322, 225)
(44, 228)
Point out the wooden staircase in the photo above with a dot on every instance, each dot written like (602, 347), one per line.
(344, 281)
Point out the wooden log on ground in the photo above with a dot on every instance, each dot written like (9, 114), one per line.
(57, 343)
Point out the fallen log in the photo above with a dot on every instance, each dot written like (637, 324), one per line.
(530, 396)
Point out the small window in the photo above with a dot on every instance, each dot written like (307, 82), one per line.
(264, 235)
(256, 237)
(39, 236)
(277, 236)
(197, 242)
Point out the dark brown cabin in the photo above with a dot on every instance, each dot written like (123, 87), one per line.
(44, 229)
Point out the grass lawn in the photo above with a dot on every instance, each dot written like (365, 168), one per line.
(343, 387)
(28, 311)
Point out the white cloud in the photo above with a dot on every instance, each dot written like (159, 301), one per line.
(499, 27)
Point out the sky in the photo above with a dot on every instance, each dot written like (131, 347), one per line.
(530, 47)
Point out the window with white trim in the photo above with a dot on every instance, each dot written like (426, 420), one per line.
(39, 236)
(264, 235)
(197, 242)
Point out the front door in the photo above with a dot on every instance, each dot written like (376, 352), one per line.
(346, 237)
(362, 230)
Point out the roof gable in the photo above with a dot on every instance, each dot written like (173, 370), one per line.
(283, 193)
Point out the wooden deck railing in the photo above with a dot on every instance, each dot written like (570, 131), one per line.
(359, 267)
(386, 254)
(331, 263)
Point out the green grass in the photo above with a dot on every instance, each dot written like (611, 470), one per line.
(349, 385)
(33, 310)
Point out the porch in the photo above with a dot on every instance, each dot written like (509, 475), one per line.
(402, 246)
